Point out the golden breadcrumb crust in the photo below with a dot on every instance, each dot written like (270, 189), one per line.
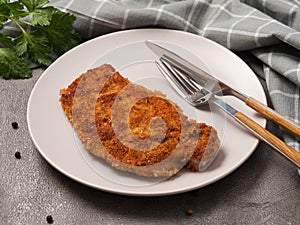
(135, 129)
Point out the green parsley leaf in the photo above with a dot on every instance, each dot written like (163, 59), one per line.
(16, 9)
(12, 66)
(21, 46)
(39, 49)
(34, 4)
(4, 12)
(5, 41)
(44, 33)
(41, 17)
(60, 30)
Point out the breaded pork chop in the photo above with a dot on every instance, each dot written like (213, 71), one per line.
(135, 129)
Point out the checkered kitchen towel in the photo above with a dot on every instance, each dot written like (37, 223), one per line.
(265, 33)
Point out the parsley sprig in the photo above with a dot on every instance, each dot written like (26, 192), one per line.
(45, 32)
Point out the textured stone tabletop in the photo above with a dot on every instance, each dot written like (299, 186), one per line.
(264, 190)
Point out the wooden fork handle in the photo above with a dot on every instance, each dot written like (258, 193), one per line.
(269, 138)
(276, 117)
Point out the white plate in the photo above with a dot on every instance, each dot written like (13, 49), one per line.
(54, 136)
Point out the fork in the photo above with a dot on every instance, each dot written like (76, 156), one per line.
(196, 96)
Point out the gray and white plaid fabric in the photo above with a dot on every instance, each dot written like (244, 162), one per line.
(265, 33)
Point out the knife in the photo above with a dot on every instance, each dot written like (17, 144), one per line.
(188, 91)
(201, 77)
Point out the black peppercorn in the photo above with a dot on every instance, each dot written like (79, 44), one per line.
(18, 155)
(15, 125)
(49, 219)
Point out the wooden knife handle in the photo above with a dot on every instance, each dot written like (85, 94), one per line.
(269, 138)
(276, 117)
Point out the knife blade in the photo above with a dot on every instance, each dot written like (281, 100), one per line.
(196, 73)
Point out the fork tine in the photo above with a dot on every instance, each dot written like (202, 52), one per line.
(180, 78)
(174, 83)
(180, 74)
(195, 93)
(182, 84)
